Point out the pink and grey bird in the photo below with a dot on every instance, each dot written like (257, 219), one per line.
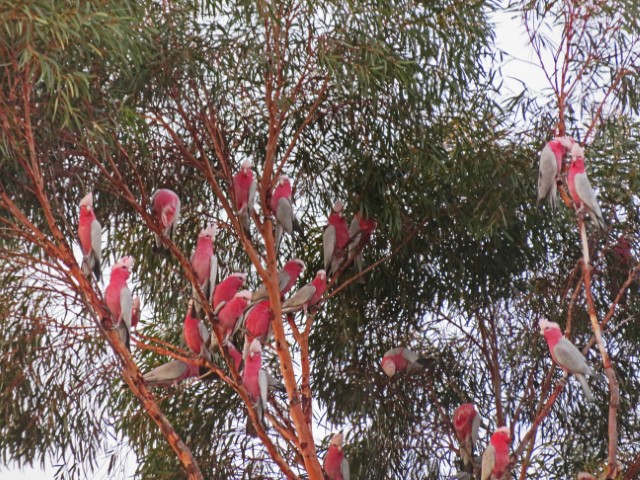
(229, 315)
(171, 373)
(360, 231)
(90, 236)
(308, 295)
(496, 456)
(336, 466)
(580, 188)
(401, 359)
(282, 207)
(257, 324)
(119, 300)
(135, 312)
(254, 379)
(335, 238)
(245, 187)
(287, 277)
(205, 265)
(567, 355)
(227, 288)
(466, 423)
(165, 206)
(196, 335)
(550, 167)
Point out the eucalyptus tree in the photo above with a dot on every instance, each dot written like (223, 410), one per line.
(389, 107)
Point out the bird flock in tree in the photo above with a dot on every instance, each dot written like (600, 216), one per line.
(238, 313)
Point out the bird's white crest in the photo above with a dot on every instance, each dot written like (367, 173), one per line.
(246, 294)
(338, 206)
(124, 262)
(503, 430)
(87, 200)
(255, 347)
(566, 142)
(241, 275)
(322, 274)
(246, 164)
(577, 151)
(283, 179)
(210, 231)
(546, 324)
(337, 440)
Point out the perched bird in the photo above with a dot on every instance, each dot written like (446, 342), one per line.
(496, 456)
(90, 236)
(196, 334)
(466, 423)
(235, 355)
(254, 379)
(118, 298)
(171, 373)
(245, 187)
(205, 265)
(287, 277)
(135, 312)
(335, 238)
(308, 295)
(257, 324)
(165, 206)
(281, 206)
(336, 466)
(580, 188)
(230, 313)
(360, 231)
(227, 288)
(566, 355)
(550, 167)
(402, 359)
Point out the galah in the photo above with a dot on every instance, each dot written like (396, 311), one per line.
(566, 355)
(496, 456)
(335, 238)
(308, 295)
(205, 265)
(165, 206)
(171, 373)
(287, 277)
(196, 334)
(235, 355)
(282, 208)
(119, 300)
(466, 423)
(580, 188)
(135, 312)
(550, 167)
(336, 466)
(360, 231)
(254, 379)
(227, 288)
(90, 236)
(230, 313)
(402, 359)
(257, 324)
(245, 187)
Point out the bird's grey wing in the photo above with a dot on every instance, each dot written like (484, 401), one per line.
(96, 240)
(213, 276)
(285, 215)
(547, 172)
(252, 196)
(410, 356)
(570, 357)
(126, 306)
(283, 279)
(259, 294)
(299, 298)
(328, 245)
(344, 469)
(588, 196)
(263, 383)
(488, 462)
(204, 333)
(166, 373)
(475, 428)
